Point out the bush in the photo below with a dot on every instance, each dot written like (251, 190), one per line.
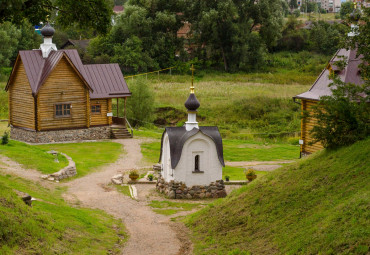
(140, 105)
(297, 13)
(5, 138)
(344, 116)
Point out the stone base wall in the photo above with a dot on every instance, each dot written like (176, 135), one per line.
(178, 190)
(92, 133)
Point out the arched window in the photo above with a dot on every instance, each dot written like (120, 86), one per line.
(196, 164)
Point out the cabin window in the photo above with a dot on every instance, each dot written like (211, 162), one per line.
(62, 110)
(196, 164)
(96, 108)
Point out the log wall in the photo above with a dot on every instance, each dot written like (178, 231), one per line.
(21, 101)
(63, 86)
(101, 118)
(306, 126)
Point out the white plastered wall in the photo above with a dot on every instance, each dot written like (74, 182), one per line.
(209, 164)
(167, 171)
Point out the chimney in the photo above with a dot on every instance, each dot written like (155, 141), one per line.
(47, 32)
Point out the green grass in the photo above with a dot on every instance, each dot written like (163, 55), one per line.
(3, 127)
(88, 156)
(125, 190)
(254, 150)
(237, 150)
(51, 226)
(237, 173)
(169, 208)
(3, 101)
(34, 157)
(320, 205)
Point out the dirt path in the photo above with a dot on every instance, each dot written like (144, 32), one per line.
(149, 233)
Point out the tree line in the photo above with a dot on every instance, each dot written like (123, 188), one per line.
(229, 35)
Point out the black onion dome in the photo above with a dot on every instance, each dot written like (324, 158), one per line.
(47, 30)
(192, 104)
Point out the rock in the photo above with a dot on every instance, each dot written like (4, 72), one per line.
(202, 195)
(51, 179)
(117, 179)
(44, 176)
(188, 196)
(171, 194)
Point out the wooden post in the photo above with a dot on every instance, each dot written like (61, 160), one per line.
(124, 111)
(170, 71)
(117, 107)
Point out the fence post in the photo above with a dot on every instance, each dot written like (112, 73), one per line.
(170, 71)
(158, 75)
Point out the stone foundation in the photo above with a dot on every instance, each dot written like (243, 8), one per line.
(178, 190)
(92, 133)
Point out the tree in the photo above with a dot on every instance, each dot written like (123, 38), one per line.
(293, 4)
(345, 9)
(344, 117)
(141, 104)
(233, 32)
(94, 14)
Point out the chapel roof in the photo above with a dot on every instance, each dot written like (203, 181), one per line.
(349, 74)
(178, 136)
(103, 80)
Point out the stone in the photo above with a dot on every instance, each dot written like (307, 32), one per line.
(171, 194)
(44, 176)
(51, 179)
(188, 196)
(201, 195)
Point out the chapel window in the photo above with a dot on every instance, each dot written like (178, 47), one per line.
(196, 164)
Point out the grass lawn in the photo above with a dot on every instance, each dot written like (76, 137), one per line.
(242, 150)
(169, 208)
(34, 157)
(237, 150)
(237, 173)
(88, 156)
(51, 226)
(319, 205)
(125, 190)
(3, 127)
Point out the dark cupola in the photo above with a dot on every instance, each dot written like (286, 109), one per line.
(47, 30)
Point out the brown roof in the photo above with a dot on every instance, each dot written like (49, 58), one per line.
(77, 43)
(118, 9)
(350, 74)
(103, 81)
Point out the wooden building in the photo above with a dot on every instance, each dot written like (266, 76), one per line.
(308, 99)
(54, 97)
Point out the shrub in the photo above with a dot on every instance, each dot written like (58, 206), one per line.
(344, 117)
(5, 138)
(297, 13)
(140, 105)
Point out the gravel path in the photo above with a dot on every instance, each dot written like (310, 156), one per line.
(149, 233)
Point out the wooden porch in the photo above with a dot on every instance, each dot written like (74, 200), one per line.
(121, 128)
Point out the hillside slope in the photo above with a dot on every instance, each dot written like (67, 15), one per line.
(51, 226)
(320, 205)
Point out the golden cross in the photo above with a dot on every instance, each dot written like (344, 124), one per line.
(192, 79)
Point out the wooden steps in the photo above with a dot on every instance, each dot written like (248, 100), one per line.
(120, 132)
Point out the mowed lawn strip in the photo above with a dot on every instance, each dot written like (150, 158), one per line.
(33, 157)
(51, 226)
(236, 150)
(237, 173)
(88, 156)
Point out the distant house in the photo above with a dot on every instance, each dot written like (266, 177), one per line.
(80, 44)
(53, 97)
(118, 9)
(350, 74)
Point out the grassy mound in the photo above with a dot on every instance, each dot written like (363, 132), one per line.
(51, 226)
(320, 205)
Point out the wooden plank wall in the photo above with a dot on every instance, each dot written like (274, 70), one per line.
(21, 101)
(101, 119)
(307, 125)
(63, 86)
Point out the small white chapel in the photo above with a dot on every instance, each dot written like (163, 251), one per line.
(191, 158)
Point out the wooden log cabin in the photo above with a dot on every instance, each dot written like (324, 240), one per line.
(53, 97)
(310, 98)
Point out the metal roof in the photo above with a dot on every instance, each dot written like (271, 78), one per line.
(103, 81)
(178, 136)
(351, 73)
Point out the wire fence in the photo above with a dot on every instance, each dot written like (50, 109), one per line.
(146, 74)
